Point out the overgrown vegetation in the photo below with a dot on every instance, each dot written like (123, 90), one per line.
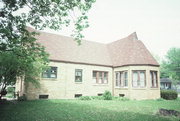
(169, 94)
(91, 110)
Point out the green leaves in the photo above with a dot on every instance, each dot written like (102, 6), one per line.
(171, 66)
(20, 54)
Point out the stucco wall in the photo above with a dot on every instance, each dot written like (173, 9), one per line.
(65, 87)
(138, 93)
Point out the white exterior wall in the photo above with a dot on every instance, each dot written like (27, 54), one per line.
(136, 92)
(65, 87)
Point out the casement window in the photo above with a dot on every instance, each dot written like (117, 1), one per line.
(122, 79)
(50, 73)
(138, 78)
(153, 78)
(100, 77)
(78, 75)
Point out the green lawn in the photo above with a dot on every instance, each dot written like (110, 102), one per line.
(92, 110)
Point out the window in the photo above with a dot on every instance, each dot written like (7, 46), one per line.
(121, 79)
(138, 79)
(78, 75)
(100, 77)
(100, 94)
(50, 73)
(43, 96)
(153, 77)
(77, 95)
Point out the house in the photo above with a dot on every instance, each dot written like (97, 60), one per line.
(124, 67)
(166, 83)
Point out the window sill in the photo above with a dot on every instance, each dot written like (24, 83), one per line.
(123, 88)
(139, 88)
(78, 82)
(49, 79)
(100, 84)
(154, 88)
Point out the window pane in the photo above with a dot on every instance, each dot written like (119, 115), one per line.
(117, 78)
(105, 77)
(45, 75)
(94, 74)
(135, 79)
(154, 78)
(50, 73)
(142, 79)
(125, 79)
(121, 79)
(100, 77)
(78, 75)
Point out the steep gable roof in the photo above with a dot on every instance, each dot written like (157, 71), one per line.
(130, 51)
(126, 51)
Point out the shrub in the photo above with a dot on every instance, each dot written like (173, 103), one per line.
(10, 89)
(85, 98)
(107, 95)
(121, 98)
(169, 94)
(97, 97)
(22, 98)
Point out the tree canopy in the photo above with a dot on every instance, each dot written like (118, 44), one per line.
(20, 54)
(171, 65)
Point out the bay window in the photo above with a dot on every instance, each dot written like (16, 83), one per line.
(121, 79)
(138, 78)
(153, 78)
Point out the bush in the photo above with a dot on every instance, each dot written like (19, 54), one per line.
(121, 98)
(85, 98)
(97, 97)
(169, 94)
(107, 95)
(22, 98)
(10, 89)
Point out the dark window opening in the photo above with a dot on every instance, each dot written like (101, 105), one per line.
(77, 95)
(121, 95)
(43, 96)
(100, 94)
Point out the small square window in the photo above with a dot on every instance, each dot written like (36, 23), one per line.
(50, 73)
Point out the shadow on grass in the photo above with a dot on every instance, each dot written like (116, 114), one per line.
(70, 110)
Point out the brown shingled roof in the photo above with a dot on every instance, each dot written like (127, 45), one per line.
(126, 51)
(130, 51)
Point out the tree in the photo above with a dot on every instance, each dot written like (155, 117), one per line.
(20, 54)
(171, 66)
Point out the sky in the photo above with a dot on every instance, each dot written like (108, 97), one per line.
(156, 22)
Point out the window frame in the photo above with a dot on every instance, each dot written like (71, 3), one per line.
(138, 79)
(78, 70)
(121, 79)
(152, 73)
(49, 72)
(97, 77)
